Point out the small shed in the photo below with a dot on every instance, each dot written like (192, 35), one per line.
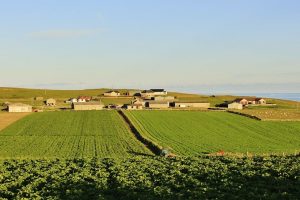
(19, 107)
(87, 106)
(235, 105)
(51, 102)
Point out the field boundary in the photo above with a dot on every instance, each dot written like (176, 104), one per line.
(148, 143)
(245, 115)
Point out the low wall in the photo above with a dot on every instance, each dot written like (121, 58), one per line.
(148, 143)
(245, 115)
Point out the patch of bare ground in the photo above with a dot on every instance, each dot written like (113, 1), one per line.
(8, 118)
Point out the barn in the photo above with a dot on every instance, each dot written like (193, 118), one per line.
(19, 107)
(87, 106)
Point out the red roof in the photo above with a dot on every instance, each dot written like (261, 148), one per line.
(85, 97)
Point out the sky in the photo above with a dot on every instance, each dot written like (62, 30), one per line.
(201, 46)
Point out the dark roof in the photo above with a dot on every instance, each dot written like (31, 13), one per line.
(111, 91)
(249, 99)
(157, 90)
(84, 97)
(88, 103)
(19, 105)
(147, 91)
(153, 90)
(158, 102)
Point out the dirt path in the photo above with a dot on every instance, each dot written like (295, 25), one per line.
(8, 118)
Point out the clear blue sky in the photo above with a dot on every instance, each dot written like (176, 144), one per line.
(193, 45)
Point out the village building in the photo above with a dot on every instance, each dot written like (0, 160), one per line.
(87, 106)
(133, 93)
(134, 106)
(38, 98)
(82, 99)
(51, 102)
(247, 101)
(147, 94)
(112, 93)
(157, 104)
(190, 105)
(159, 92)
(235, 105)
(153, 92)
(73, 100)
(19, 107)
(114, 106)
(163, 98)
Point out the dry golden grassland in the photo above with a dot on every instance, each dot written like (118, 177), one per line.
(8, 118)
(274, 114)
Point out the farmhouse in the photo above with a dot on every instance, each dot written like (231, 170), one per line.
(246, 101)
(157, 104)
(19, 107)
(235, 105)
(87, 106)
(81, 99)
(190, 105)
(51, 102)
(112, 93)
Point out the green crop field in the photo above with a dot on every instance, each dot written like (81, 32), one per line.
(193, 132)
(147, 177)
(69, 135)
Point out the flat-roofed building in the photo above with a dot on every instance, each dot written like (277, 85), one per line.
(235, 105)
(190, 105)
(19, 107)
(87, 106)
(157, 104)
